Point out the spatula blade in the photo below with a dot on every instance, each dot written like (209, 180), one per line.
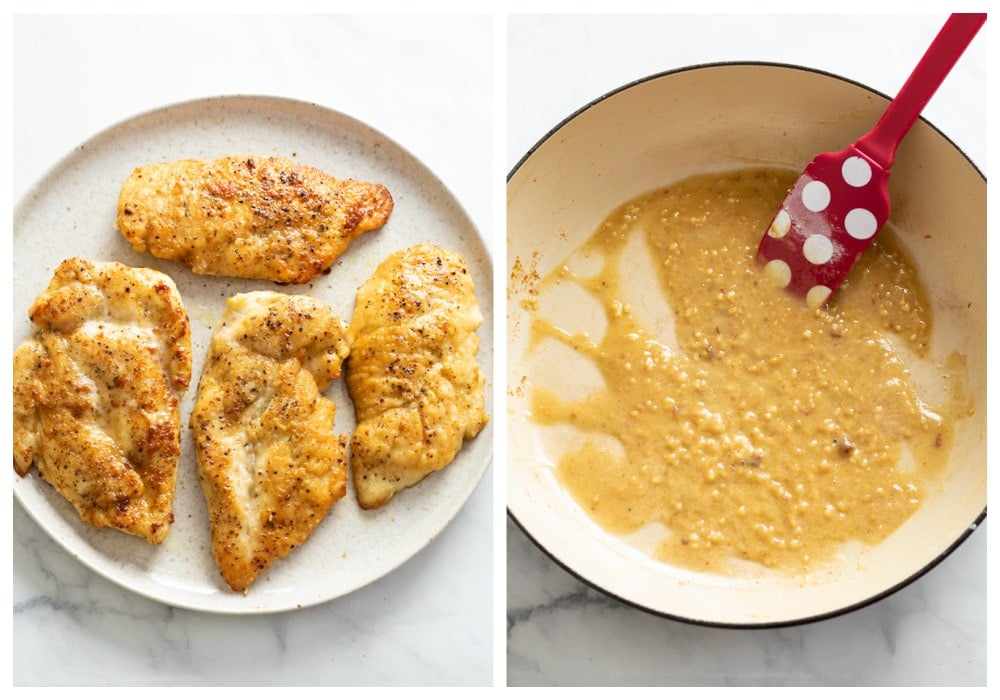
(829, 217)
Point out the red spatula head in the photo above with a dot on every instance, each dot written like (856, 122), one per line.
(841, 199)
(829, 217)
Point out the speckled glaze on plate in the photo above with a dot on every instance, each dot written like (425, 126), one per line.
(71, 212)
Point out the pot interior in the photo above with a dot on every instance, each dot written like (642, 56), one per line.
(716, 118)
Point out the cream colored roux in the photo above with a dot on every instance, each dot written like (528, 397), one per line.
(764, 432)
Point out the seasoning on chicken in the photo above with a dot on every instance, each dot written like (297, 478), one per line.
(97, 392)
(418, 393)
(249, 217)
(269, 462)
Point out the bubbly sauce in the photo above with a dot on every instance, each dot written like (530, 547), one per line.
(739, 426)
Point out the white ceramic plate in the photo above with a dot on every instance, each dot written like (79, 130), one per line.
(71, 211)
(713, 118)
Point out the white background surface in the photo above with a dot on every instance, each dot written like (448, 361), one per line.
(426, 83)
(560, 631)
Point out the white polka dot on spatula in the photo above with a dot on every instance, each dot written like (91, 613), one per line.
(780, 226)
(860, 224)
(817, 295)
(856, 171)
(816, 196)
(779, 271)
(817, 249)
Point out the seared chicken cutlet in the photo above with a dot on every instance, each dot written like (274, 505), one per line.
(269, 462)
(418, 393)
(97, 392)
(249, 217)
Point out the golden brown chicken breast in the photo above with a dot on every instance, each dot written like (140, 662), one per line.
(249, 217)
(269, 463)
(418, 393)
(97, 392)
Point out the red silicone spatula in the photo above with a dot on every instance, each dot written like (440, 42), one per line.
(841, 200)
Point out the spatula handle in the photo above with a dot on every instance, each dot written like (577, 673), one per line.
(956, 34)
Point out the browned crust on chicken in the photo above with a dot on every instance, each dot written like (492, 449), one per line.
(97, 392)
(269, 463)
(418, 393)
(250, 217)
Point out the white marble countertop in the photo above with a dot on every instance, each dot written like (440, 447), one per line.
(425, 82)
(559, 630)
